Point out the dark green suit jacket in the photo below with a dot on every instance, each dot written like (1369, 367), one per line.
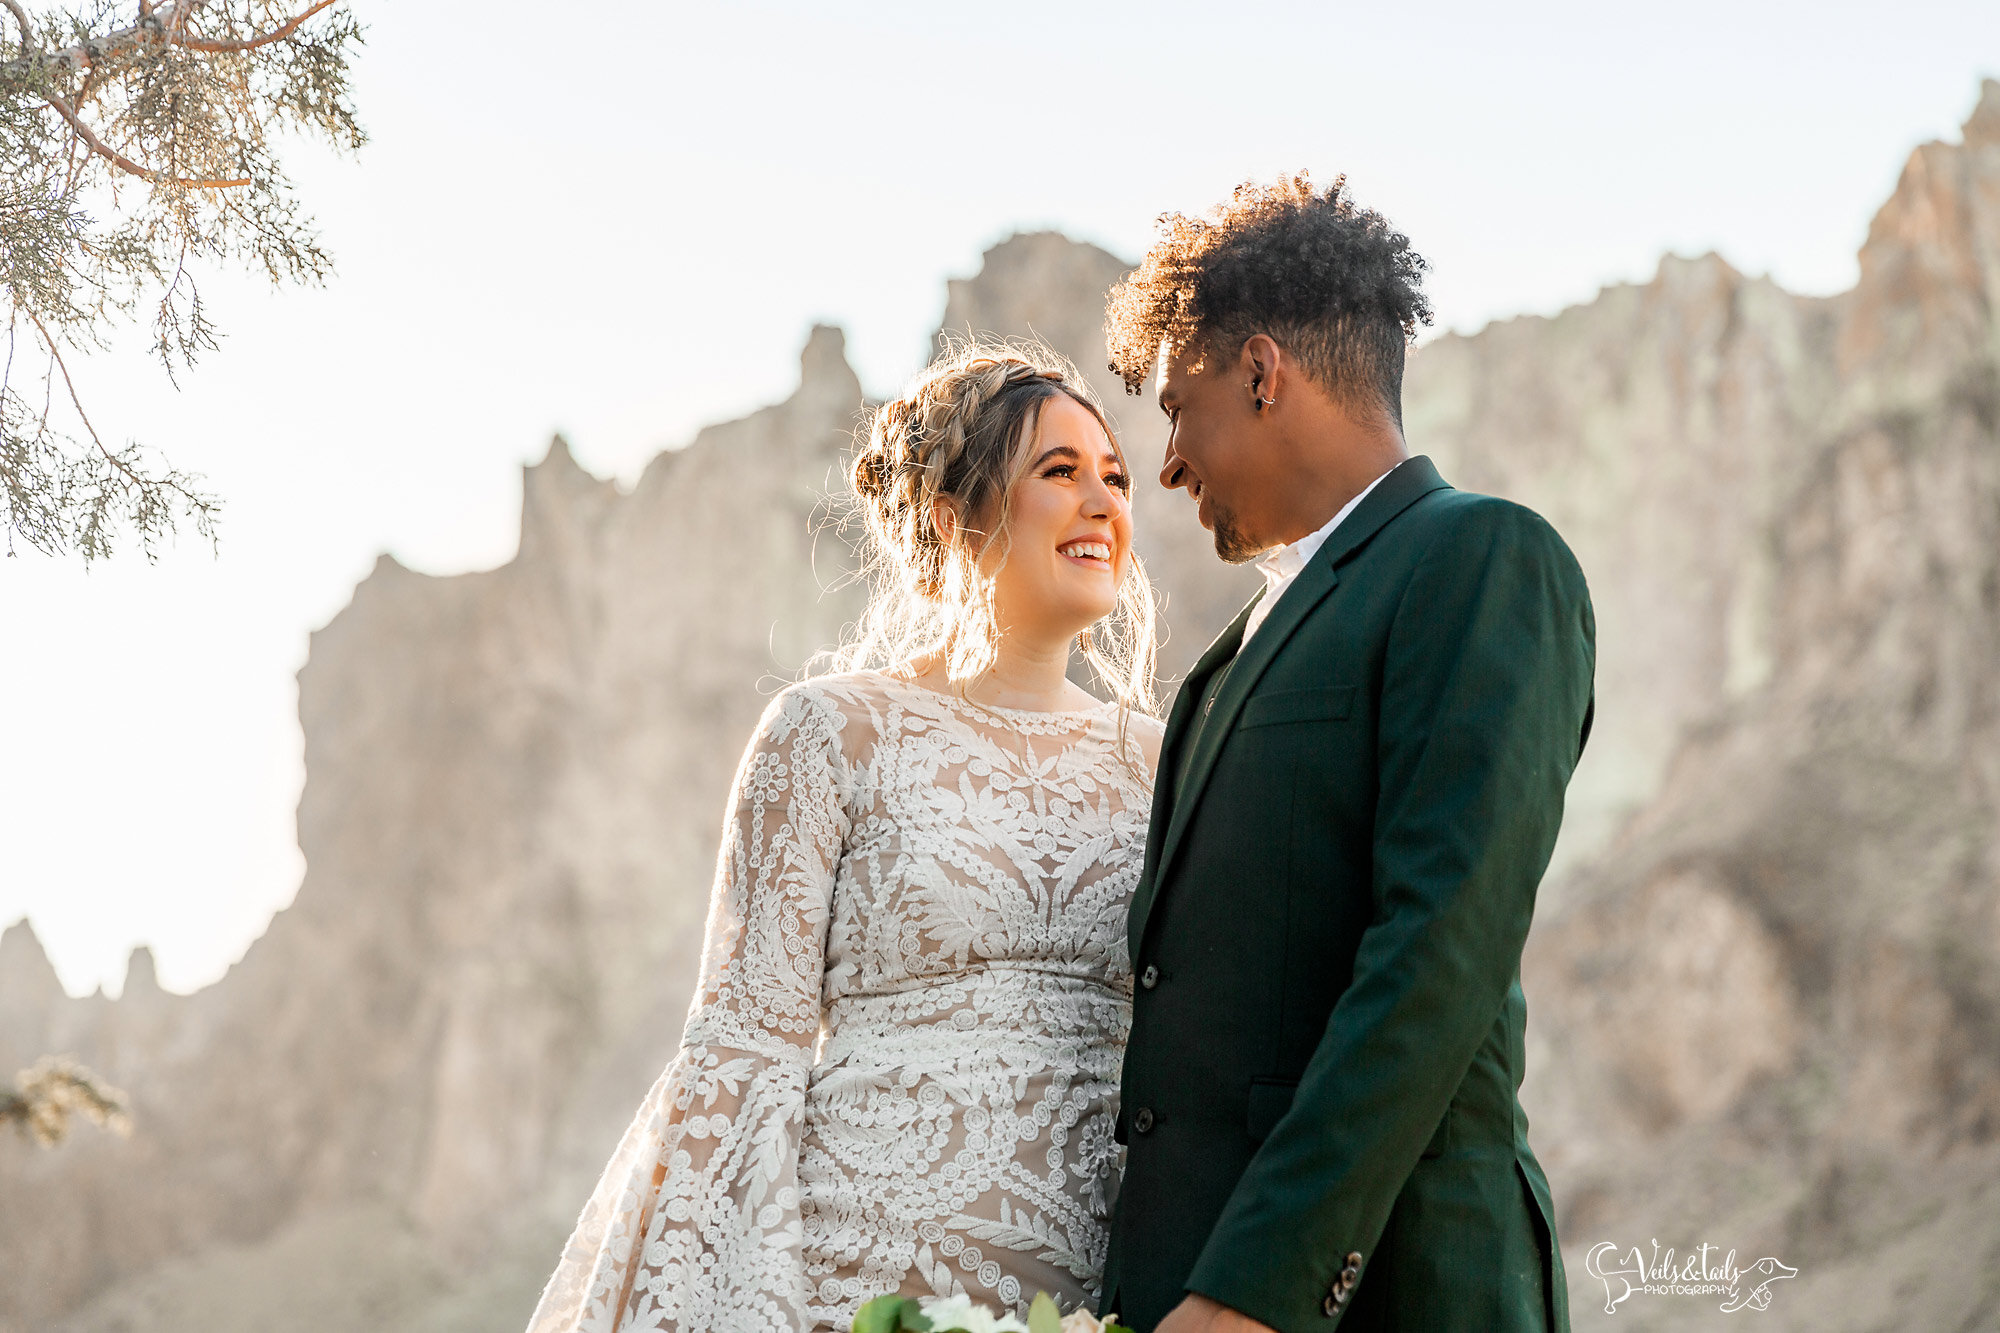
(1319, 1098)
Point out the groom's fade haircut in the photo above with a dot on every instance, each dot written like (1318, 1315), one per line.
(1334, 285)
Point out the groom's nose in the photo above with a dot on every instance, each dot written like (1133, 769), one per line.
(1173, 472)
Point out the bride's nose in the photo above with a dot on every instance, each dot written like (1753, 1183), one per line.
(1099, 502)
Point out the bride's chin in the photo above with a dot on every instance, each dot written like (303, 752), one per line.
(1097, 616)
(1064, 611)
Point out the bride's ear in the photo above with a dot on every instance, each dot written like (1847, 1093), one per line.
(945, 518)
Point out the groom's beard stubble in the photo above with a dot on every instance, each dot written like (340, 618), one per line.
(1231, 546)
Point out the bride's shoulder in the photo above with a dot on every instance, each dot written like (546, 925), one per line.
(840, 697)
(1148, 733)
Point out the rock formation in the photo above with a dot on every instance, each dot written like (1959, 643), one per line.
(1769, 1006)
(1765, 978)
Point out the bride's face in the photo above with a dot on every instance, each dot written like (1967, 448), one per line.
(1069, 528)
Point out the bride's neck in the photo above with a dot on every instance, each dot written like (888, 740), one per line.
(1027, 675)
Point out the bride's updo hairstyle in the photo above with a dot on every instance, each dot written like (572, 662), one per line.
(962, 433)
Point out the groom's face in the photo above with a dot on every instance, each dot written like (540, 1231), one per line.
(1219, 451)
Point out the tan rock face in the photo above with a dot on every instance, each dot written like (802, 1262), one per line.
(1730, 1013)
(1765, 977)
(1838, 809)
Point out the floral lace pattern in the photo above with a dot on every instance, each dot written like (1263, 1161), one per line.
(899, 1071)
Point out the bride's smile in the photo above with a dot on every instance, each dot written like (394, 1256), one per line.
(1068, 528)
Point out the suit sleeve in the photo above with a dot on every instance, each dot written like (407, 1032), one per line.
(1487, 683)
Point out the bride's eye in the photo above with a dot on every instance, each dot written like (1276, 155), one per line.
(1063, 470)
(1119, 481)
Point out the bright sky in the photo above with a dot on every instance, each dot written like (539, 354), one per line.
(618, 220)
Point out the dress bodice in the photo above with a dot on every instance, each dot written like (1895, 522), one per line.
(899, 1070)
(980, 839)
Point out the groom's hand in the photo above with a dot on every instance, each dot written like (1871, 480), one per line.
(1199, 1314)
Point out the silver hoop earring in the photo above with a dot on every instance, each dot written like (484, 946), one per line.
(1268, 402)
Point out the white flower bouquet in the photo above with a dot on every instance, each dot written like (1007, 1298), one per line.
(957, 1314)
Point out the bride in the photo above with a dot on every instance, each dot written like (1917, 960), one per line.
(899, 1070)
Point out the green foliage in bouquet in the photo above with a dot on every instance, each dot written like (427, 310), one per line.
(891, 1314)
(901, 1314)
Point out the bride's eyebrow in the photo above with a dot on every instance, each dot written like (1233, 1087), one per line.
(1069, 452)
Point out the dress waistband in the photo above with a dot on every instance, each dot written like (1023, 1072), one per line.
(1001, 1011)
(982, 984)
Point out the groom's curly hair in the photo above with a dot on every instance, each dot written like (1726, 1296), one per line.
(1335, 285)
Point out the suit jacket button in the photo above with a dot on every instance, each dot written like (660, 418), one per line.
(1348, 1275)
(1150, 977)
(1142, 1120)
(1329, 1307)
(1354, 1259)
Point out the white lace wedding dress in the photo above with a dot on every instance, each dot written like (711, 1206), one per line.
(900, 1070)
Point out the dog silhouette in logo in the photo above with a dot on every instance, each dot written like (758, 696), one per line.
(1759, 1296)
(1594, 1264)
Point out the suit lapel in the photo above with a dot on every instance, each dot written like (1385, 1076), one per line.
(1410, 481)
(1313, 583)
(1183, 716)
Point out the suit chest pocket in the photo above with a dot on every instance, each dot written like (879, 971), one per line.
(1277, 707)
(1270, 1098)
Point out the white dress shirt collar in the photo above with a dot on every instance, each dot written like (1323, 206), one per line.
(1281, 567)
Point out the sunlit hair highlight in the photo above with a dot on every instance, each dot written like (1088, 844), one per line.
(1333, 283)
(961, 433)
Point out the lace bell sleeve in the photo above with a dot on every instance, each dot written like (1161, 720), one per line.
(694, 1226)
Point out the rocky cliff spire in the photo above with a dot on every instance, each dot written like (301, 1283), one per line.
(1930, 272)
(30, 995)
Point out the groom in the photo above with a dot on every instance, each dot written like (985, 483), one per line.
(1359, 789)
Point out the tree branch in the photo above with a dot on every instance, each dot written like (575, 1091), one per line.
(180, 19)
(122, 162)
(202, 505)
(168, 482)
(56, 356)
(43, 1098)
(277, 34)
(162, 26)
(80, 56)
(27, 28)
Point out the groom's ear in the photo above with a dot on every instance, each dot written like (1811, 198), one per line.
(1262, 368)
